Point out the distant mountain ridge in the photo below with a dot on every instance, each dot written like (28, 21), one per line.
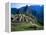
(37, 11)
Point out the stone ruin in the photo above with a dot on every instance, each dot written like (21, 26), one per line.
(23, 18)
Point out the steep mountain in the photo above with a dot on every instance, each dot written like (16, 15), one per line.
(35, 10)
(14, 11)
(27, 18)
(23, 9)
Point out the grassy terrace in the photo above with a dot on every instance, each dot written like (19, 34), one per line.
(26, 22)
(25, 26)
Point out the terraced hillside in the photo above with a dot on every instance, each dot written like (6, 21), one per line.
(21, 22)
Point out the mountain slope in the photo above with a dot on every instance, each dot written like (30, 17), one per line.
(25, 22)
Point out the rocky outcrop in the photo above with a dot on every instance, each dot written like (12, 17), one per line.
(23, 18)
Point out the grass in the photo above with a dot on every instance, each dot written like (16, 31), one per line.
(32, 23)
(25, 26)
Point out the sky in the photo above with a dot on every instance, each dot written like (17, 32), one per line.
(19, 5)
(14, 5)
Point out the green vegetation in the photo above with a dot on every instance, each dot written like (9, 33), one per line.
(21, 22)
